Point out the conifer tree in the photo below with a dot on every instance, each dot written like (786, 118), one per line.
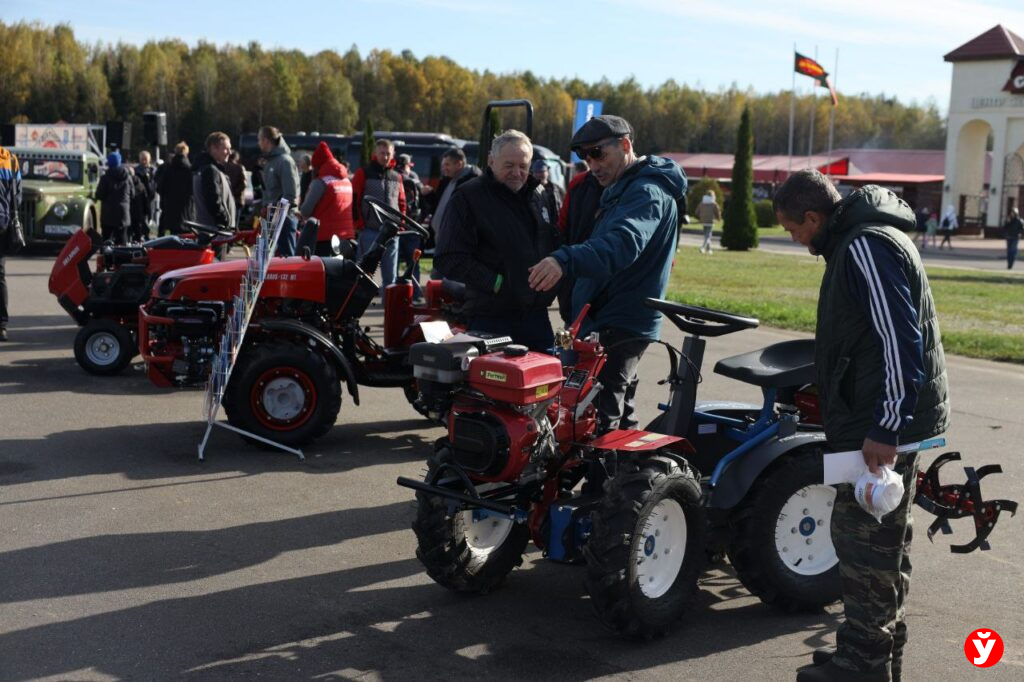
(739, 231)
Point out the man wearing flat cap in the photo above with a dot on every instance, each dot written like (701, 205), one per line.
(626, 259)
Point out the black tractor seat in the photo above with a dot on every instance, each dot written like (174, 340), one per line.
(780, 365)
(174, 243)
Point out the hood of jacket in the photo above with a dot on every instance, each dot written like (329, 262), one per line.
(181, 161)
(664, 171)
(869, 204)
(326, 165)
(281, 148)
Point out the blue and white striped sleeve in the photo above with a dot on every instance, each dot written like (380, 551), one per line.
(879, 282)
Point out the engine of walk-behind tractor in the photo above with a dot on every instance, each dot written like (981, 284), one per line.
(305, 337)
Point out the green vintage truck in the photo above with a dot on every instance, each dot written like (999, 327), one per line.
(57, 188)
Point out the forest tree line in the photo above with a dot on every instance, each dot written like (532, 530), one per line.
(47, 75)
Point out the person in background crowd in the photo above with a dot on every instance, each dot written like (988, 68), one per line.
(115, 192)
(493, 231)
(215, 205)
(626, 260)
(922, 225)
(408, 243)
(554, 195)
(455, 172)
(881, 378)
(948, 226)
(707, 213)
(280, 181)
(580, 167)
(146, 208)
(329, 200)
(236, 174)
(931, 228)
(378, 180)
(174, 185)
(139, 230)
(1014, 227)
(10, 200)
(306, 175)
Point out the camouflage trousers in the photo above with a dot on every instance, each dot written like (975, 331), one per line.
(874, 567)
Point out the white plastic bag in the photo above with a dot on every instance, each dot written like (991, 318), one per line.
(878, 494)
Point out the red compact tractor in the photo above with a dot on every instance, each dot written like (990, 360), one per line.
(105, 303)
(304, 339)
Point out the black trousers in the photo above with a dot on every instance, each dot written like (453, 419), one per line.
(616, 402)
(3, 294)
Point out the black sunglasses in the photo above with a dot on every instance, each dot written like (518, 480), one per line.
(597, 151)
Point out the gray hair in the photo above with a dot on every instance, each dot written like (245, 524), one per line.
(805, 190)
(511, 137)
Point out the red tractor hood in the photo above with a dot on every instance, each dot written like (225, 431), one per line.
(293, 277)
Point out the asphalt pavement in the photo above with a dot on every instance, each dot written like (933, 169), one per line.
(123, 557)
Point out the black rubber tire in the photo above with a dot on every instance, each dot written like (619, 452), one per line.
(613, 574)
(753, 551)
(443, 549)
(411, 394)
(293, 358)
(126, 347)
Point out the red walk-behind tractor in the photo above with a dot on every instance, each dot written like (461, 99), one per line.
(105, 303)
(303, 340)
(727, 479)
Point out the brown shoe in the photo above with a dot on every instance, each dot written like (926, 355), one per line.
(830, 672)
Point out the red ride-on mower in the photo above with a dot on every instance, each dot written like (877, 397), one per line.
(304, 338)
(105, 303)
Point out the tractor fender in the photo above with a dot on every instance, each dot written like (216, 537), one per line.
(317, 336)
(737, 479)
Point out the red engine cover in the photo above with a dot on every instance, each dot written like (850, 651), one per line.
(65, 277)
(519, 380)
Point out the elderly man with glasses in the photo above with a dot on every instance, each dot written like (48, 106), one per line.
(626, 259)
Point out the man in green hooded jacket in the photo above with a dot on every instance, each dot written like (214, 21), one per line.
(881, 378)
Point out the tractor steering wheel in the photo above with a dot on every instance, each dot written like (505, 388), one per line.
(385, 213)
(701, 321)
(209, 230)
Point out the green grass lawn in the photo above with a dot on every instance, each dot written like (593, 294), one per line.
(981, 314)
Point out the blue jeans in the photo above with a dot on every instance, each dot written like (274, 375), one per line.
(286, 242)
(388, 262)
(1011, 252)
(531, 329)
(407, 243)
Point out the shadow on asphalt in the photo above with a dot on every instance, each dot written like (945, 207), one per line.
(339, 624)
(145, 452)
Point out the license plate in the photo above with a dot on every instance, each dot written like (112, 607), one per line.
(58, 230)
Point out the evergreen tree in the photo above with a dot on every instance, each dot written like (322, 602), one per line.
(368, 142)
(739, 232)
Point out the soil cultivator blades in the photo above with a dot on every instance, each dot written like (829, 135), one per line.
(959, 500)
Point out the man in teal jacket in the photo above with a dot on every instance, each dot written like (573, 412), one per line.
(626, 260)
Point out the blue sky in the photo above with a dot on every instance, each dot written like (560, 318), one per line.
(885, 46)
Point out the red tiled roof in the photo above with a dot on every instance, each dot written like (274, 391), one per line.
(910, 161)
(996, 43)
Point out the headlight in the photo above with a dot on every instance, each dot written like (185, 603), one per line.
(166, 287)
(60, 210)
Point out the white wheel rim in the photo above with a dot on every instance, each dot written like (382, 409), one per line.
(102, 349)
(484, 532)
(660, 549)
(803, 531)
(283, 398)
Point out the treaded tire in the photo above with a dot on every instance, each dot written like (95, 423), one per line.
(615, 577)
(309, 373)
(103, 347)
(444, 548)
(804, 577)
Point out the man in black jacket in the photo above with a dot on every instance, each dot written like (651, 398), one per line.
(455, 172)
(493, 230)
(115, 192)
(215, 205)
(10, 200)
(174, 185)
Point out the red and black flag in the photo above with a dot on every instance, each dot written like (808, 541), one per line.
(809, 67)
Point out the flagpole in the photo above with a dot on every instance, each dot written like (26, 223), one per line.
(832, 114)
(814, 106)
(792, 111)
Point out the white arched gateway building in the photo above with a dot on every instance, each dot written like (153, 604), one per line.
(987, 102)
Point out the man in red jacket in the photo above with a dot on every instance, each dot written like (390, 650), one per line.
(378, 180)
(329, 200)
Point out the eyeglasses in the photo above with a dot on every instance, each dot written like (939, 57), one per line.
(597, 151)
